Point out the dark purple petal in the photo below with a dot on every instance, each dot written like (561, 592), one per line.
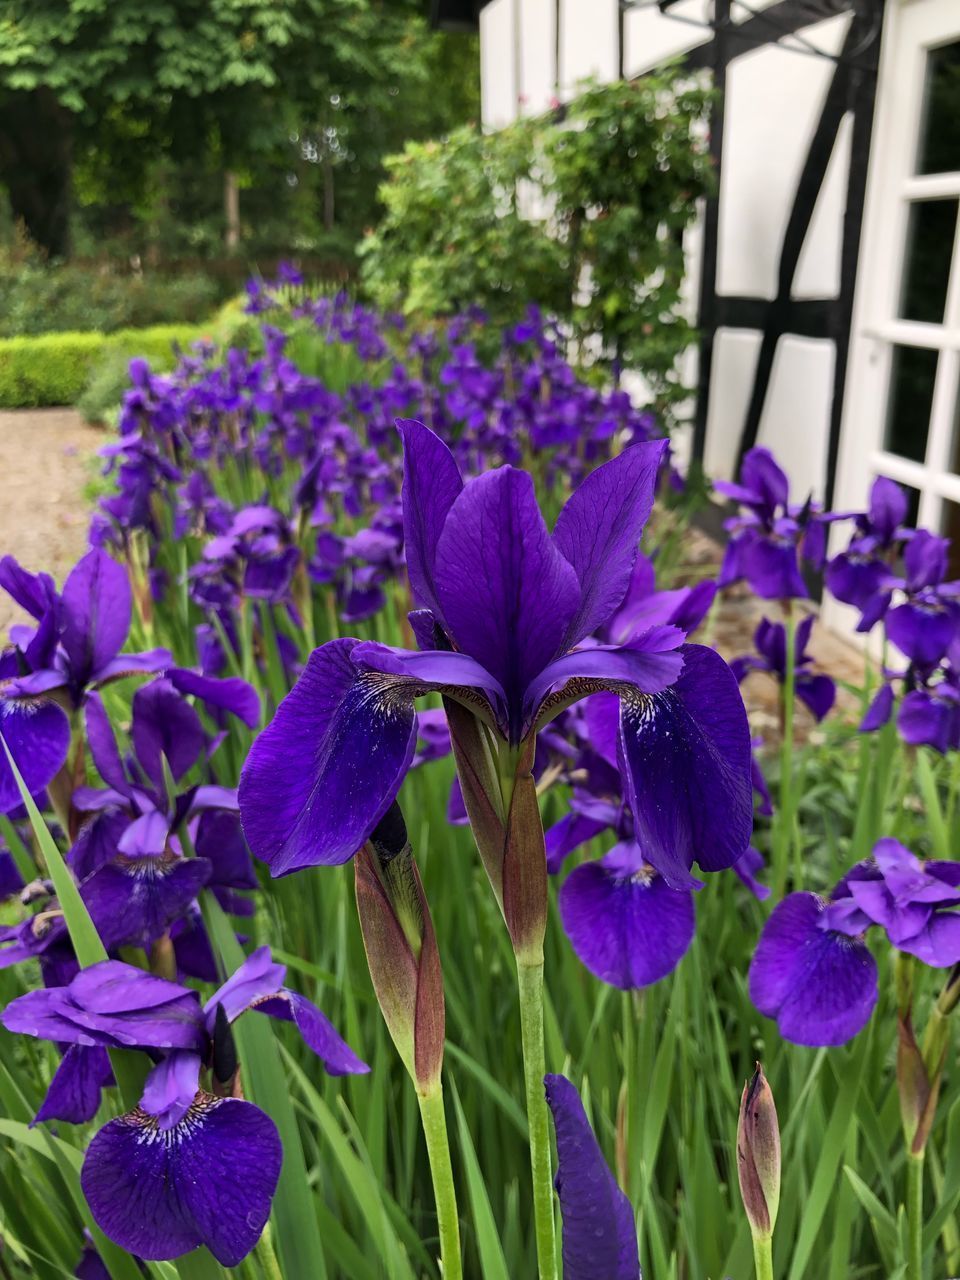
(573, 830)
(165, 724)
(431, 484)
(818, 693)
(926, 721)
(74, 1093)
(103, 745)
(95, 611)
(318, 1032)
(623, 921)
(888, 508)
(35, 593)
(231, 694)
(325, 770)
(11, 881)
(134, 901)
(770, 566)
(38, 738)
(598, 532)
(819, 985)
(220, 840)
(507, 594)
(599, 1234)
(746, 869)
(878, 712)
(209, 1180)
(132, 664)
(856, 579)
(686, 764)
(922, 632)
(647, 671)
(763, 478)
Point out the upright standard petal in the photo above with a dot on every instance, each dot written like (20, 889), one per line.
(327, 767)
(598, 532)
(209, 1180)
(819, 985)
(599, 1234)
(37, 735)
(507, 594)
(96, 604)
(686, 761)
(431, 485)
(624, 922)
(164, 723)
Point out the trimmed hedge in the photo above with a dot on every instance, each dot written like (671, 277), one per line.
(55, 368)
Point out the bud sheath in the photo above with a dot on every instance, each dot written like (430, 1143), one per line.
(758, 1155)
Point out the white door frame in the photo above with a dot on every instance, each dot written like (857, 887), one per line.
(910, 29)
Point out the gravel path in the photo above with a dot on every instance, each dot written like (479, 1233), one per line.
(46, 461)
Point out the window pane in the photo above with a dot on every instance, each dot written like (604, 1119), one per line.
(926, 263)
(939, 149)
(909, 397)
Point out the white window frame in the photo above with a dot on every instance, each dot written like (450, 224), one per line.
(910, 30)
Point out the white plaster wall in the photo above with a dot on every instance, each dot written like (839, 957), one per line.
(818, 270)
(650, 37)
(774, 97)
(795, 422)
(589, 40)
(735, 354)
(538, 55)
(498, 64)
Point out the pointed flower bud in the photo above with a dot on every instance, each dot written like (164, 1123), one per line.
(401, 948)
(758, 1155)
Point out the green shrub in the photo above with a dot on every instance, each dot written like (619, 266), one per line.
(618, 171)
(56, 368)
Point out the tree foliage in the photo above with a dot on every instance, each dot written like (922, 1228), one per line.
(581, 211)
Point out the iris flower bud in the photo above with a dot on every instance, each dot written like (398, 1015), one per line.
(758, 1155)
(401, 948)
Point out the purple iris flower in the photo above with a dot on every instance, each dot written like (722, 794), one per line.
(134, 879)
(187, 1167)
(506, 607)
(861, 575)
(817, 692)
(812, 971)
(599, 1231)
(644, 606)
(769, 535)
(925, 625)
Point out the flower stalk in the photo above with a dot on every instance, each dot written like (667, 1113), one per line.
(530, 985)
(404, 964)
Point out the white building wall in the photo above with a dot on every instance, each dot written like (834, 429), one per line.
(774, 97)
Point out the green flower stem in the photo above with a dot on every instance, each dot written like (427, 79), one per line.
(530, 983)
(784, 841)
(763, 1258)
(441, 1171)
(914, 1216)
(267, 1256)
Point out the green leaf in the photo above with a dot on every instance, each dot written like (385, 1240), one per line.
(493, 1265)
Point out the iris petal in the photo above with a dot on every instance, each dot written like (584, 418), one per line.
(599, 1235)
(686, 761)
(819, 985)
(208, 1180)
(624, 922)
(431, 484)
(329, 764)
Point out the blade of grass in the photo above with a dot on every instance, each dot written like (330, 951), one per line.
(493, 1265)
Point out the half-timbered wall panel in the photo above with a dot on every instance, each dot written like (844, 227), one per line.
(776, 252)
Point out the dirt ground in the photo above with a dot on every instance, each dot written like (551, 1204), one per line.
(46, 459)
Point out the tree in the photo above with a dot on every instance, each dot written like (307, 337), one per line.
(181, 77)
